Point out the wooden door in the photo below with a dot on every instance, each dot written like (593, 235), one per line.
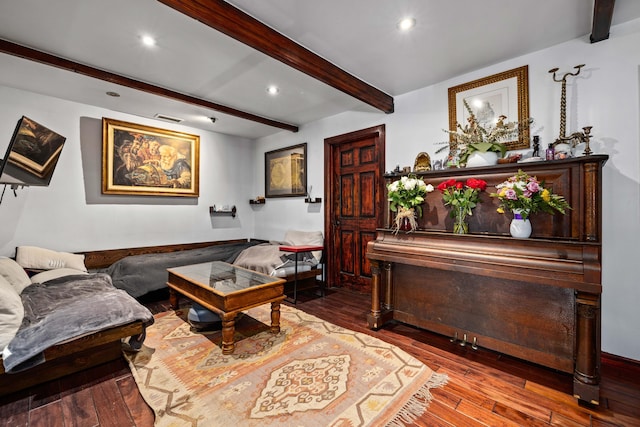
(354, 192)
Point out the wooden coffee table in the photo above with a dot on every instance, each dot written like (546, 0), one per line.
(226, 290)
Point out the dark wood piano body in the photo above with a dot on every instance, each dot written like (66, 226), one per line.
(537, 299)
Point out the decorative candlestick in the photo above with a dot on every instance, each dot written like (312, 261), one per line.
(576, 137)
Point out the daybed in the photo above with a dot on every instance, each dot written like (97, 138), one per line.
(299, 269)
(144, 269)
(61, 320)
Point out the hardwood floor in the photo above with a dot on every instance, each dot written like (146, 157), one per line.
(484, 389)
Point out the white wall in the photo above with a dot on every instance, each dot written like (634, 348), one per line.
(605, 95)
(72, 214)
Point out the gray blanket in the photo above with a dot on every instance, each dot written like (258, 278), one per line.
(267, 258)
(141, 274)
(67, 308)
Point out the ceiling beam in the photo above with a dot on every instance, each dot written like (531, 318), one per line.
(602, 15)
(240, 26)
(65, 64)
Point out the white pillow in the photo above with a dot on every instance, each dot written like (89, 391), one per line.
(305, 238)
(46, 259)
(14, 274)
(11, 312)
(54, 274)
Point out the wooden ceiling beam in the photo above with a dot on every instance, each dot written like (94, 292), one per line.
(235, 23)
(65, 64)
(602, 15)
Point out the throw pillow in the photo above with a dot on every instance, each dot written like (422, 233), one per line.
(14, 274)
(46, 259)
(54, 274)
(304, 238)
(11, 312)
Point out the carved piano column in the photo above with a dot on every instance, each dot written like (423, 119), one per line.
(380, 313)
(586, 376)
(592, 186)
(373, 318)
(388, 283)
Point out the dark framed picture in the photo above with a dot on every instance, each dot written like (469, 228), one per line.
(147, 161)
(505, 93)
(285, 172)
(32, 155)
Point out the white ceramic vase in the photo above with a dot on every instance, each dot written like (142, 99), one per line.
(519, 227)
(478, 158)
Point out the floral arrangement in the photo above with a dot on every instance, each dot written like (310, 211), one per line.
(474, 137)
(526, 194)
(405, 197)
(462, 195)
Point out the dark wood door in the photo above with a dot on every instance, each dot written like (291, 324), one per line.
(354, 192)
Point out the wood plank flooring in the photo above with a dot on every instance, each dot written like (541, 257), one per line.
(484, 389)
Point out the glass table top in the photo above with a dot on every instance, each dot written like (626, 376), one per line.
(223, 277)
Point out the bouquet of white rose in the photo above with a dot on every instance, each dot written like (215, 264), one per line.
(405, 197)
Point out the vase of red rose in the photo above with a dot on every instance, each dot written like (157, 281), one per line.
(462, 197)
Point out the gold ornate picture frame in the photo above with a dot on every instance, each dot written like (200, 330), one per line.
(505, 93)
(285, 172)
(148, 161)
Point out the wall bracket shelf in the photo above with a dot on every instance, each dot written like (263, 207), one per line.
(213, 210)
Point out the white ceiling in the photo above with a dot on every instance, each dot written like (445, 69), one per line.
(359, 36)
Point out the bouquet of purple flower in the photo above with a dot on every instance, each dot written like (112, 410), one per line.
(527, 195)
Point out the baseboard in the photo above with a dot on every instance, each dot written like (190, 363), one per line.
(621, 363)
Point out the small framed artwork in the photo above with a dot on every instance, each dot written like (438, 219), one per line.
(147, 161)
(285, 172)
(503, 94)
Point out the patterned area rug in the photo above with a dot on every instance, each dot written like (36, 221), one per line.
(312, 373)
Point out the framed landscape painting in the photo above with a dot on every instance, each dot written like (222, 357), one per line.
(147, 161)
(505, 93)
(286, 172)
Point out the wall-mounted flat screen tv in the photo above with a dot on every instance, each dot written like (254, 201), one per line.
(32, 154)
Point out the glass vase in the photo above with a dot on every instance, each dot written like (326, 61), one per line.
(405, 225)
(405, 220)
(460, 225)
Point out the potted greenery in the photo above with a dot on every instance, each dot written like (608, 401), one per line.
(478, 145)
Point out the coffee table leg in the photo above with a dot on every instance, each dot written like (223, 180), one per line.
(173, 298)
(275, 317)
(228, 332)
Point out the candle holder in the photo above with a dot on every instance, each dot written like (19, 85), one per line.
(576, 137)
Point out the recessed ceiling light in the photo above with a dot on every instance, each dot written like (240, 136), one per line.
(406, 24)
(148, 41)
(273, 90)
(114, 94)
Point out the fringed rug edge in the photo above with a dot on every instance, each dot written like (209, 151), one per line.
(417, 405)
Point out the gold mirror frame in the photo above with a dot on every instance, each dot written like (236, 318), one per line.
(515, 83)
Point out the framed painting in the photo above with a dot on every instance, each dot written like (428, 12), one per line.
(505, 94)
(285, 172)
(148, 161)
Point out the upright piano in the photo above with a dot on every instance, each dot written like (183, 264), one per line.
(537, 299)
